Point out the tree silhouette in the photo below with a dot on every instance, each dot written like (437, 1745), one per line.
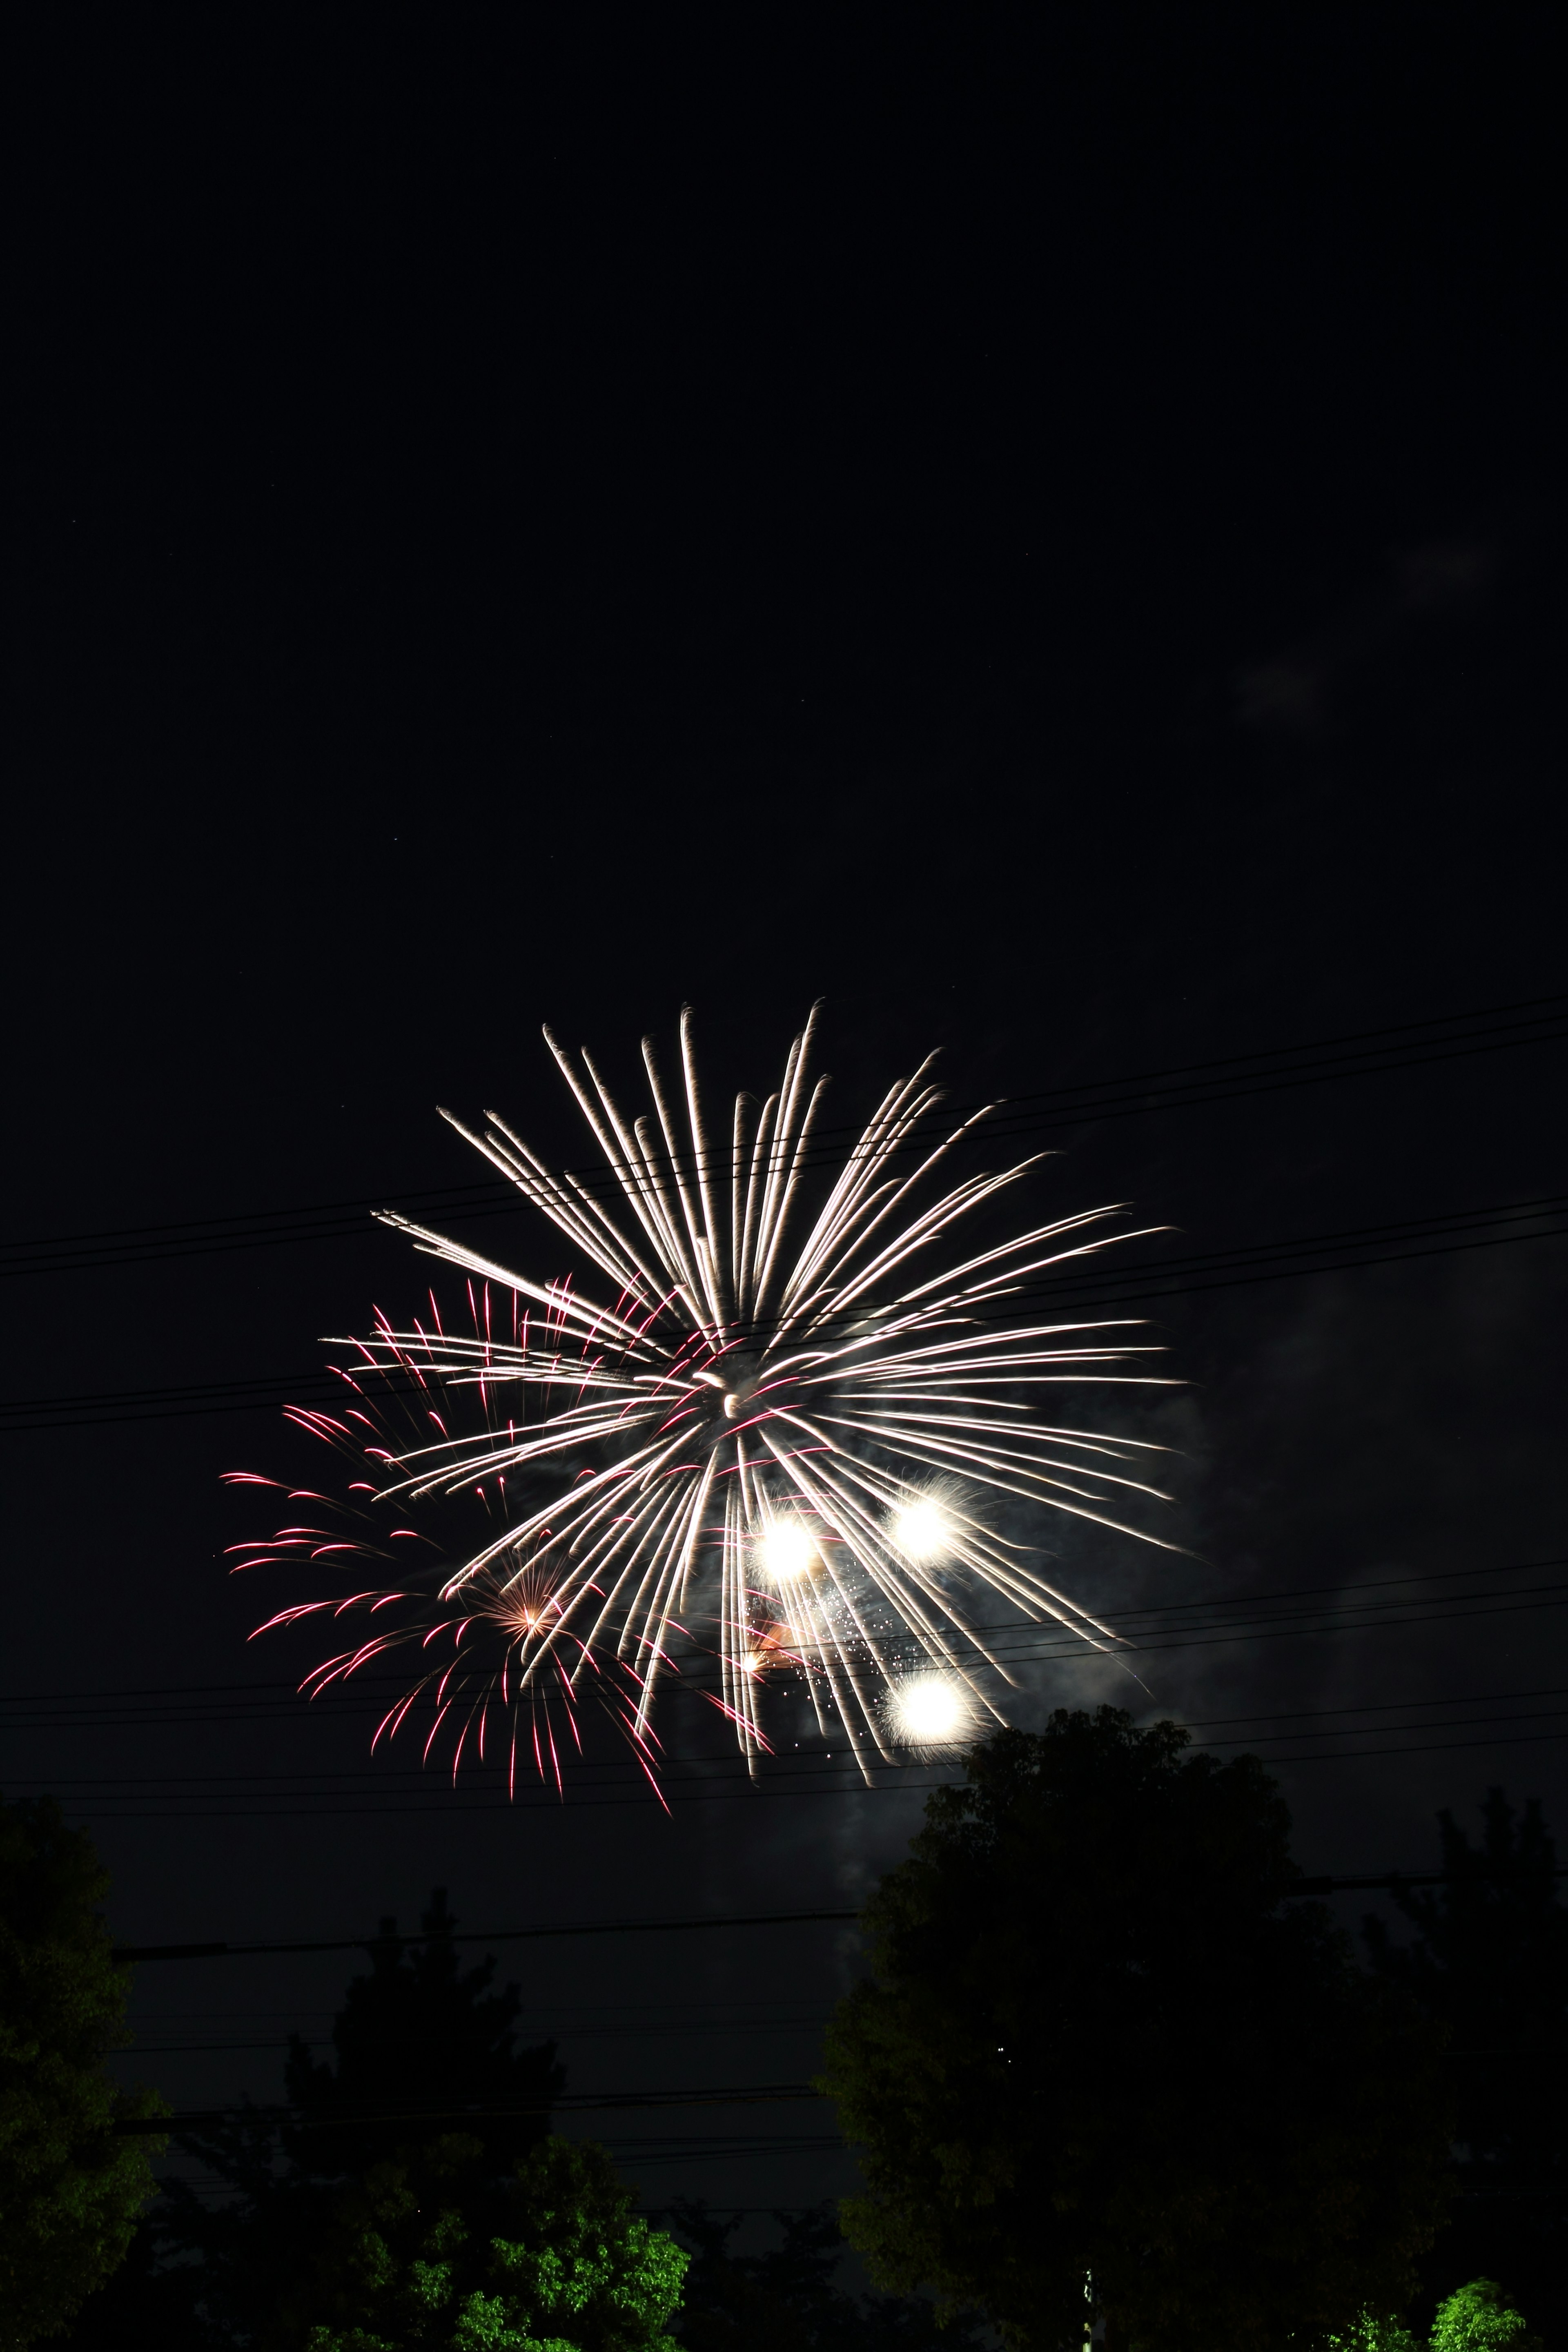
(70, 2188)
(1490, 1960)
(1097, 2048)
(787, 2299)
(147, 2301)
(420, 2044)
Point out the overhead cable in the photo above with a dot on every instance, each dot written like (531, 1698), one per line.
(1092, 1291)
(1230, 1077)
(1294, 1890)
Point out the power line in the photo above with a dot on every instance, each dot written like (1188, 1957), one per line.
(583, 2103)
(129, 1952)
(739, 2007)
(762, 1791)
(1436, 1748)
(694, 1781)
(1363, 1731)
(781, 1782)
(413, 1781)
(750, 2027)
(565, 2103)
(699, 1782)
(682, 2148)
(1267, 1629)
(148, 1787)
(1363, 1052)
(729, 1789)
(1447, 1235)
(1297, 1889)
(228, 1691)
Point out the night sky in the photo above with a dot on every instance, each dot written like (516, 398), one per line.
(1041, 530)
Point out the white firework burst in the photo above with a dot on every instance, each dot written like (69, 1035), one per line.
(777, 1440)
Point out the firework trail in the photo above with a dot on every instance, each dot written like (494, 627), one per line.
(771, 1449)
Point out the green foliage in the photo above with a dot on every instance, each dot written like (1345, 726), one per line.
(1477, 2319)
(1095, 2043)
(786, 2300)
(442, 2261)
(70, 2188)
(398, 2234)
(1369, 2335)
(417, 2037)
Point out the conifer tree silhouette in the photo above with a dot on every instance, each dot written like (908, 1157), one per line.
(425, 2045)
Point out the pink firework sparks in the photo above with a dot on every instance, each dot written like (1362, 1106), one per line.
(780, 1455)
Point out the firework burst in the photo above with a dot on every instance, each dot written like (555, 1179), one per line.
(776, 1447)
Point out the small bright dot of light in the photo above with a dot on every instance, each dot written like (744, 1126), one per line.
(920, 1531)
(787, 1550)
(930, 1709)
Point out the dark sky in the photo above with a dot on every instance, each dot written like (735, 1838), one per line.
(1042, 531)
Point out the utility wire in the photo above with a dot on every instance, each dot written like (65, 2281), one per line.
(1298, 1888)
(645, 2149)
(1221, 1633)
(845, 1781)
(280, 1703)
(571, 2103)
(764, 1790)
(410, 1781)
(229, 1691)
(705, 1785)
(129, 1952)
(413, 1779)
(1363, 1052)
(750, 2027)
(566, 2102)
(1439, 1236)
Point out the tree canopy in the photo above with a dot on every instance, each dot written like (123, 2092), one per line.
(1479, 2318)
(1474, 2318)
(1099, 2053)
(420, 2044)
(440, 2257)
(69, 2188)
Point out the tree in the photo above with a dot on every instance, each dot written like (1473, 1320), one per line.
(419, 2042)
(1477, 2319)
(441, 2258)
(1372, 2334)
(1489, 1961)
(786, 2299)
(69, 2187)
(421, 2035)
(1097, 2050)
(146, 2302)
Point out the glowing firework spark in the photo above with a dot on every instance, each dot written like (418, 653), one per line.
(921, 1530)
(774, 1449)
(930, 1710)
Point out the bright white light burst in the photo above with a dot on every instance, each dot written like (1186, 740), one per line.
(920, 1531)
(787, 1550)
(765, 1432)
(930, 1709)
